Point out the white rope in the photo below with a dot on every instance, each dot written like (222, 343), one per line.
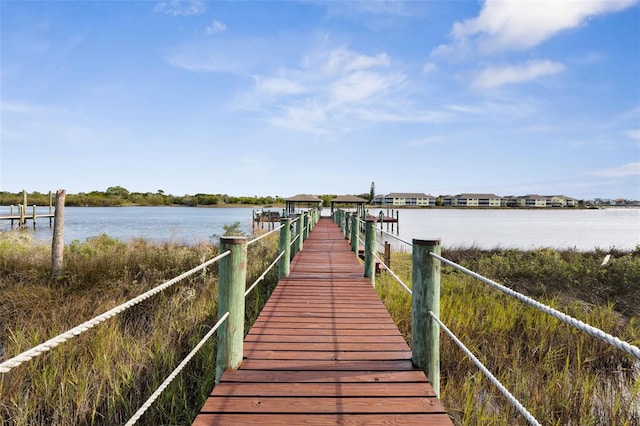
(255, 240)
(395, 236)
(11, 363)
(175, 372)
(264, 274)
(294, 240)
(592, 331)
(394, 275)
(487, 373)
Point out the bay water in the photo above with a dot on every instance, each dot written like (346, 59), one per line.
(504, 228)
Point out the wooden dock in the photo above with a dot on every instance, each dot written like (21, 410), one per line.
(324, 350)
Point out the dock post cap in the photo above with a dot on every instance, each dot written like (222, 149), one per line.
(434, 242)
(237, 239)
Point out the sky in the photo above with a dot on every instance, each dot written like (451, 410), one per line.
(278, 98)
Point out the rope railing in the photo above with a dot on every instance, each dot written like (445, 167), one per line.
(255, 240)
(582, 326)
(264, 274)
(518, 406)
(133, 420)
(25, 356)
(408, 290)
(394, 236)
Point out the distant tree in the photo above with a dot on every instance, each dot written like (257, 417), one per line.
(372, 191)
(117, 191)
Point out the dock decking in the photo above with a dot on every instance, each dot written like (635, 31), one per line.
(324, 350)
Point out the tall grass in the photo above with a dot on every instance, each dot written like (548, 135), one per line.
(105, 374)
(562, 375)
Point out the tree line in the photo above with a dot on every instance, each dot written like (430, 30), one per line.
(119, 196)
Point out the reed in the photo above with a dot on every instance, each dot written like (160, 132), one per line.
(562, 375)
(105, 374)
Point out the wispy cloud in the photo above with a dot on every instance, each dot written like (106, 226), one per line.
(429, 140)
(279, 85)
(634, 134)
(493, 77)
(215, 28)
(180, 7)
(630, 169)
(519, 25)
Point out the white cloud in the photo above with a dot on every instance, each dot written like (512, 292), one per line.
(362, 85)
(498, 76)
(424, 141)
(634, 134)
(278, 85)
(630, 169)
(180, 7)
(520, 25)
(215, 28)
(429, 67)
(342, 60)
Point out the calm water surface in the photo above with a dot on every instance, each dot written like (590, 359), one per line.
(523, 229)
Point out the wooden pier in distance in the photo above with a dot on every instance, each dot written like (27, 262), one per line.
(324, 350)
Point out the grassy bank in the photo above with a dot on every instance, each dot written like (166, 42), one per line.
(104, 375)
(101, 377)
(563, 376)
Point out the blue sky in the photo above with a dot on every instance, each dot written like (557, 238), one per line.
(287, 97)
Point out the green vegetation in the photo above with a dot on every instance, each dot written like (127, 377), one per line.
(562, 375)
(119, 196)
(103, 376)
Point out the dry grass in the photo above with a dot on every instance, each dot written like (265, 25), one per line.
(563, 376)
(104, 375)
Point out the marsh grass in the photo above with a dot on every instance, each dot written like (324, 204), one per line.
(562, 375)
(102, 376)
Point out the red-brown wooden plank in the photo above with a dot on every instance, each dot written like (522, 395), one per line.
(324, 350)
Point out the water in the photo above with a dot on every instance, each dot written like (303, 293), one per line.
(508, 228)
(524, 229)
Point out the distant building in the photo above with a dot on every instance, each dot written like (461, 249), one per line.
(417, 199)
(478, 200)
(532, 200)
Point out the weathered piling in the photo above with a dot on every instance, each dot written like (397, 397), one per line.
(231, 288)
(425, 333)
(57, 242)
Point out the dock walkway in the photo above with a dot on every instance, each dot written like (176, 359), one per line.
(324, 350)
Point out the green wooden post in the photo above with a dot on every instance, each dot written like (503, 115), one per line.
(34, 215)
(354, 233)
(285, 246)
(231, 288)
(23, 220)
(425, 333)
(347, 226)
(369, 250)
(305, 228)
(50, 202)
(300, 229)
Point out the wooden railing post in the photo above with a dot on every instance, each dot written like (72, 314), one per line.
(306, 226)
(369, 251)
(355, 226)
(347, 226)
(300, 231)
(231, 287)
(425, 333)
(285, 246)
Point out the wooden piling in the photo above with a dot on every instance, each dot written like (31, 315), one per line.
(369, 251)
(425, 333)
(57, 243)
(231, 288)
(354, 233)
(285, 246)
